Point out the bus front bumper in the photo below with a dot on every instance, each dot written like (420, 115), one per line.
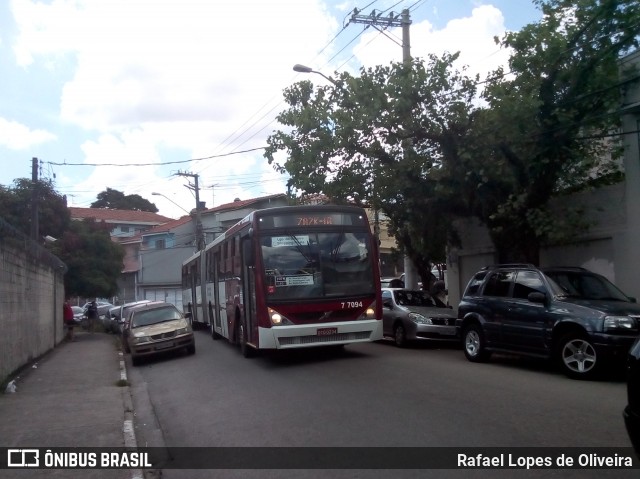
(326, 334)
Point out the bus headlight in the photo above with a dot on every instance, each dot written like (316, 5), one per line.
(277, 319)
(369, 313)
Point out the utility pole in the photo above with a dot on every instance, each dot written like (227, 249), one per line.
(35, 223)
(198, 232)
(380, 23)
(376, 20)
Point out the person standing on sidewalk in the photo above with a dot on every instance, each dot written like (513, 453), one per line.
(92, 315)
(67, 315)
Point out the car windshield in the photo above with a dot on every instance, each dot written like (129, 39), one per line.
(578, 284)
(154, 316)
(413, 298)
(317, 265)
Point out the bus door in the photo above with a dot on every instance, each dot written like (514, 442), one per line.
(220, 311)
(248, 290)
(194, 275)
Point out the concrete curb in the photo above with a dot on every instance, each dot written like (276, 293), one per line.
(128, 430)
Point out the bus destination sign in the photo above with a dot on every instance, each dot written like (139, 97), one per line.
(311, 220)
(314, 220)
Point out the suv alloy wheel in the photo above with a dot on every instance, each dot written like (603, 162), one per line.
(577, 356)
(474, 344)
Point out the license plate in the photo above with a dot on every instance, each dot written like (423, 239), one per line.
(327, 331)
(164, 345)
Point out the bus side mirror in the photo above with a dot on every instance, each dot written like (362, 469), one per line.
(247, 253)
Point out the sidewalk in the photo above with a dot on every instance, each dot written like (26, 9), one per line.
(70, 398)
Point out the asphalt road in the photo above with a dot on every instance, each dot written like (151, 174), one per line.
(371, 395)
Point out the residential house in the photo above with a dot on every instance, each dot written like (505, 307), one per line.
(126, 226)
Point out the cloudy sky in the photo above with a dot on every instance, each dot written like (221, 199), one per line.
(125, 94)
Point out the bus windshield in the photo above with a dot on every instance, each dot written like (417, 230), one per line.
(317, 265)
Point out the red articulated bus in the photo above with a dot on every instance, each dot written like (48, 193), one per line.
(289, 277)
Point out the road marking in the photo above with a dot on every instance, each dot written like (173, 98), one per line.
(128, 430)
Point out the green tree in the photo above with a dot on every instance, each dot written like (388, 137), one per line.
(412, 141)
(16, 206)
(94, 261)
(548, 122)
(117, 200)
(383, 139)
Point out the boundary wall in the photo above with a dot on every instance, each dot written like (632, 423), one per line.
(31, 299)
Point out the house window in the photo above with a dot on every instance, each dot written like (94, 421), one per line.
(160, 244)
(124, 229)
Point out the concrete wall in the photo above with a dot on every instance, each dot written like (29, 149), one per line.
(31, 298)
(603, 249)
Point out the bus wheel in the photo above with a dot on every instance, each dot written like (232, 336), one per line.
(242, 339)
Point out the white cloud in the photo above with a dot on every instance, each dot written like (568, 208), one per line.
(188, 75)
(162, 80)
(140, 60)
(16, 136)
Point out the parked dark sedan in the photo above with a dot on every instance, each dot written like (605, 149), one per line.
(632, 411)
(411, 315)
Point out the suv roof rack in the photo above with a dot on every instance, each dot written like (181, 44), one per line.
(568, 268)
(510, 265)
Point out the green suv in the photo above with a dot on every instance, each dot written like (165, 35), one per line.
(572, 315)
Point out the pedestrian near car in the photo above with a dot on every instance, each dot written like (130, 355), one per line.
(92, 315)
(67, 315)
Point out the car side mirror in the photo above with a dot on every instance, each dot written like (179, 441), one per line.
(632, 299)
(387, 304)
(537, 297)
(187, 315)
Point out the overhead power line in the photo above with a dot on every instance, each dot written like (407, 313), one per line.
(158, 163)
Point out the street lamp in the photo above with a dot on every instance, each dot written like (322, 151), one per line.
(305, 69)
(166, 197)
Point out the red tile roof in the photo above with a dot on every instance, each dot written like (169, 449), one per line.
(234, 205)
(118, 216)
(168, 226)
